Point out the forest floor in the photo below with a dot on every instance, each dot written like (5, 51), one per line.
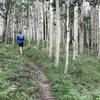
(42, 78)
(82, 81)
(20, 78)
(33, 76)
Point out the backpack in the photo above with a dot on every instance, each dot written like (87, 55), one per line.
(20, 38)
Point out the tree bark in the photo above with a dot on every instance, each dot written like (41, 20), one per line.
(51, 30)
(75, 41)
(99, 33)
(68, 40)
(58, 34)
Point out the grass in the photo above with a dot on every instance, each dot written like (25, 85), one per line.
(81, 82)
(17, 78)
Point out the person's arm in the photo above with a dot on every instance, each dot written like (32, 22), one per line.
(17, 38)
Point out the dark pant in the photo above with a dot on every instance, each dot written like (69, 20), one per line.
(21, 44)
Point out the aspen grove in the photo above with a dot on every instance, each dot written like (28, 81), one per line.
(69, 24)
(60, 56)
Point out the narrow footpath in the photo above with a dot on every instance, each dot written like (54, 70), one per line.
(42, 78)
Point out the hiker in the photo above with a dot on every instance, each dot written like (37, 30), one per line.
(20, 41)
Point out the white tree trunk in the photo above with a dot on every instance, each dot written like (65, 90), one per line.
(81, 30)
(13, 42)
(97, 21)
(38, 28)
(47, 39)
(97, 24)
(75, 42)
(29, 26)
(92, 27)
(43, 24)
(58, 34)
(51, 30)
(63, 26)
(8, 18)
(68, 39)
(99, 34)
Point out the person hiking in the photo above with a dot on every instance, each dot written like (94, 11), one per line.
(20, 41)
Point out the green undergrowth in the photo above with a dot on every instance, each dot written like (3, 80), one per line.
(82, 81)
(17, 78)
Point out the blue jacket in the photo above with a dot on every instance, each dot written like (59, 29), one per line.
(20, 38)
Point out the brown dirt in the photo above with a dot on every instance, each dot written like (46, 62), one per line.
(46, 90)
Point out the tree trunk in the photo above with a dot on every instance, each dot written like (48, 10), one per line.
(6, 29)
(13, 42)
(51, 30)
(99, 34)
(63, 26)
(58, 34)
(68, 40)
(92, 27)
(81, 30)
(75, 42)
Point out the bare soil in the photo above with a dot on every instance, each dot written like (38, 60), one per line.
(42, 78)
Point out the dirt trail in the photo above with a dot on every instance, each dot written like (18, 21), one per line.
(47, 94)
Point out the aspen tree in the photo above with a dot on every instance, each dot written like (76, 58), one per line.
(47, 39)
(95, 29)
(99, 31)
(97, 24)
(4, 23)
(38, 28)
(92, 27)
(29, 23)
(68, 39)
(43, 19)
(45, 26)
(75, 41)
(51, 29)
(58, 34)
(63, 25)
(13, 42)
(8, 18)
(81, 30)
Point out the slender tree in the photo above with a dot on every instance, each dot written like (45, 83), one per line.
(58, 34)
(68, 39)
(14, 7)
(75, 40)
(99, 31)
(51, 29)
